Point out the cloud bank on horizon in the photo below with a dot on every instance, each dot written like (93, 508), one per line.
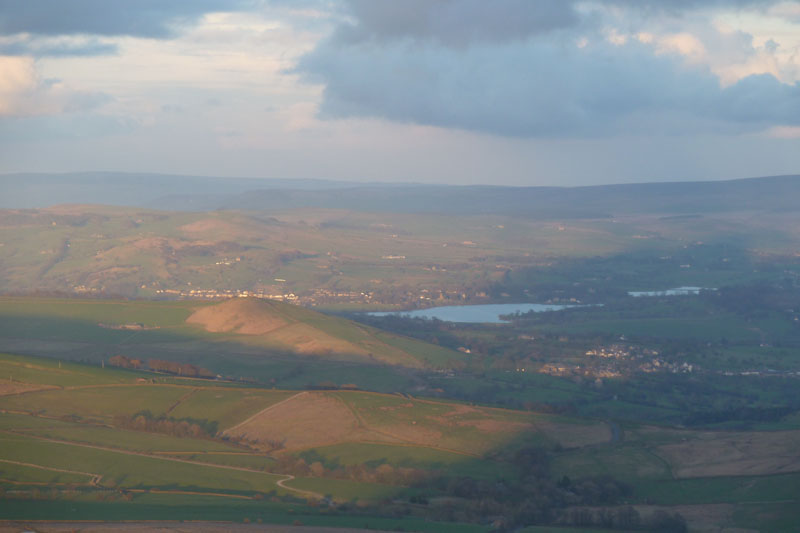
(458, 91)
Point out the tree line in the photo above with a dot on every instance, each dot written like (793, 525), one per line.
(161, 365)
(176, 427)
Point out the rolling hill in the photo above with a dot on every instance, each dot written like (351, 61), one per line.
(120, 438)
(304, 331)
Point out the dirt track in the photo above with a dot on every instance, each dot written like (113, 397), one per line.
(279, 482)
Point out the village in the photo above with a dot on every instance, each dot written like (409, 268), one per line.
(322, 296)
(616, 361)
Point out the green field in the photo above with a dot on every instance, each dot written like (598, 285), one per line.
(228, 406)
(345, 489)
(29, 474)
(218, 509)
(728, 489)
(85, 328)
(123, 470)
(408, 456)
(97, 402)
(629, 463)
(65, 437)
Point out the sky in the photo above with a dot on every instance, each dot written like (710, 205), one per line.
(514, 92)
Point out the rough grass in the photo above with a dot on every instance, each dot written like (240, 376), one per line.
(161, 314)
(18, 422)
(734, 454)
(628, 463)
(45, 371)
(28, 474)
(710, 490)
(343, 489)
(172, 507)
(452, 464)
(101, 402)
(239, 460)
(465, 428)
(314, 419)
(306, 420)
(227, 406)
(245, 316)
(131, 440)
(778, 517)
(134, 471)
(10, 388)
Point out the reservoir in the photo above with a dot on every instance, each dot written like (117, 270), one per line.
(484, 313)
(490, 313)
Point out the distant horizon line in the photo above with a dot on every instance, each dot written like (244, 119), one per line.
(123, 173)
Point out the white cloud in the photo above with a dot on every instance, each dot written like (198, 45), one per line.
(685, 44)
(784, 132)
(24, 93)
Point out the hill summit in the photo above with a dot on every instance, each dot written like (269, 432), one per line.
(240, 315)
(296, 329)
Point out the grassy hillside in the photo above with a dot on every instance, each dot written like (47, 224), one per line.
(257, 326)
(59, 430)
(304, 331)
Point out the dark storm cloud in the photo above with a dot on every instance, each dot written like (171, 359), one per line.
(140, 18)
(450, 64)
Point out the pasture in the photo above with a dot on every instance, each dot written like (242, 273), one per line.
(64, 438)
(409, 456)
(119, 469)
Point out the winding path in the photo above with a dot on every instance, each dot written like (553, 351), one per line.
(96, 478)
(290, 477)
(95, 481)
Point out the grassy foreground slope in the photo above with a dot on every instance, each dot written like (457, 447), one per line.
(65, 429)
(64, 437)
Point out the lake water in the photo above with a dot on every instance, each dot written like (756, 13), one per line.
(490, 313)
(483, 313)
(677, 291)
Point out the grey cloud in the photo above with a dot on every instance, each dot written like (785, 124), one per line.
(512, 68)
(51, 48)
(760, 99)
(142, 18)
(63, 127)
(677, 6)
(81, 101)
(465, 22)
(454, 22)
(539, 89)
